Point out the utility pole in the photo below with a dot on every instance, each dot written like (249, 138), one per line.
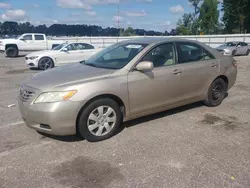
(118, 14)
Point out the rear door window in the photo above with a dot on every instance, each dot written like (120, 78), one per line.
(189, 52)
(39, 37)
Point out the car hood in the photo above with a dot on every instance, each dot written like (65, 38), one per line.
(42, 53)
(8, 41)
(64, 76)
(222, 47)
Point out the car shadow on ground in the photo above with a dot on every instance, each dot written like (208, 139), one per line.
(19, 56)
(35, 69)
(77, 138)
(70, 138)
(162, 114)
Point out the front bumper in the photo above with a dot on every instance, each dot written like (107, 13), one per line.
(52, 118)
(32, 63)
(2, 48)
(227, 53)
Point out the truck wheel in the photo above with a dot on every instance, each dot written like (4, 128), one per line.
(12, 52)
(45, 63)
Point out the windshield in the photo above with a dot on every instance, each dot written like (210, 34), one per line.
(115, 56)
(59, 47)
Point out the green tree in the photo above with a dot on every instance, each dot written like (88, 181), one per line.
(128, 32)
(195, 21)
(209, 15)
(236, 15)
(195, 4)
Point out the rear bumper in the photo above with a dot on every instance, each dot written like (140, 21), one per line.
(232, 77)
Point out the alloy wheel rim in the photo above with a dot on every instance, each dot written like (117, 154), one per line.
(101, 120)
(11, 53)
(46, 64)
(216, 92)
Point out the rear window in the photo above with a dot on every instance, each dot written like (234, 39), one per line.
(39, 37)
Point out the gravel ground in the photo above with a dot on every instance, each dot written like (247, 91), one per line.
(188, 147)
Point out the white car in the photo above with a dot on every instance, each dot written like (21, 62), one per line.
(60, 55)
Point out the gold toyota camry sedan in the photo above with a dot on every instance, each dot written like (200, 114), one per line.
(127, 80)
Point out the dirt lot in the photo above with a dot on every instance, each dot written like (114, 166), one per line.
(189, 147)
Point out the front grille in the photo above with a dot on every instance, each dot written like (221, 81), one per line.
(26, 95)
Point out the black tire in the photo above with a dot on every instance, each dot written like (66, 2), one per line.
(45, 63)
(248, 52)
(233, 53)
(82, 126)
(12, 52)
(216, 93)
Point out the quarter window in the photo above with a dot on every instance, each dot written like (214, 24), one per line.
(162, 55)
(188, 52)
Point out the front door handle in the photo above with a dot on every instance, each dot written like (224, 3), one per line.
(214, 65)
(177, 72)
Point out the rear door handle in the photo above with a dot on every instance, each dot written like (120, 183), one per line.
(177, 71)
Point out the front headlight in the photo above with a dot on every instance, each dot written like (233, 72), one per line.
(50, 97)
(33, 57)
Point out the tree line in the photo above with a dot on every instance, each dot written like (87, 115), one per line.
(206, 18)
(14, 28)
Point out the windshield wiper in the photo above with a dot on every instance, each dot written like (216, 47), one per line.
(92, 65)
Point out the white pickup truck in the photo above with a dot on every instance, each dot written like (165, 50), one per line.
(26, 43)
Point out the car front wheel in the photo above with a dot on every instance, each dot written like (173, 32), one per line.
(100, 120)
(216, 93)
(12, 52)
(45, 63)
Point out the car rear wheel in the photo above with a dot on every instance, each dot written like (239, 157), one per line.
(216, 93)
(45, 63)
(248, 52)
(100, 120)
(12, 52)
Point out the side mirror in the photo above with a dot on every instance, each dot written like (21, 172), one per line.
(22, 39)
(238, 46)
(145, 66)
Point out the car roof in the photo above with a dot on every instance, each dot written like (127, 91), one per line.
(235, 41)
(156, 40)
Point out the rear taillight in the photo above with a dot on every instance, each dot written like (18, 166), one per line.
(234, 62)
